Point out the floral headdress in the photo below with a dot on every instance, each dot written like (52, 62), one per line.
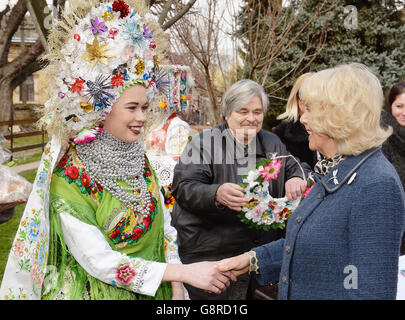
(93, 57)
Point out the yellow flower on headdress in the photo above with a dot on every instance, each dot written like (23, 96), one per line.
(162, 104)
(96, 53)
(140, 67)
(108, 16)
(87, 107)
(156, 61)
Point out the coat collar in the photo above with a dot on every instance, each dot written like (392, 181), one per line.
(344, 172)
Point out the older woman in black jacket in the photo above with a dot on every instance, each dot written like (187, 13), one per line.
(206, 190)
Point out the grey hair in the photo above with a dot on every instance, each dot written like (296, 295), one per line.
(240, 94)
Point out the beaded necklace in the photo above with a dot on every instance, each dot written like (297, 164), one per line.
(110, 160)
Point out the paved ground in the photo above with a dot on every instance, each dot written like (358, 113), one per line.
(26, 166)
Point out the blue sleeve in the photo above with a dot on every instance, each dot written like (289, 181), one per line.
(269, 257)
(375, 227)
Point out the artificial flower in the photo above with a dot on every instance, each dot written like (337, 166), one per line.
(117, 80)
(108, 16)
(97, 26)
(169, 201)
(77, 86)
(121, 69)
(140, 67)
(86, 107)
(271, 170)
(98, 90)
(162, 104)
(122, 7)
(147, 34)
(96, 53)
(112, 33)
(135, 34)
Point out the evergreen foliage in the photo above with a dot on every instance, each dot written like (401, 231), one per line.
(371, 32)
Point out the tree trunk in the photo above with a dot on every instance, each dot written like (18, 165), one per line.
(6, 102)
(212, 96)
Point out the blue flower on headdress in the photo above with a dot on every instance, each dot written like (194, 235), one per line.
(97, 90)
(134, 33)
(102, 104)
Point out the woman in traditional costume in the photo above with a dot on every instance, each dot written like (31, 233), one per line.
(95, 226)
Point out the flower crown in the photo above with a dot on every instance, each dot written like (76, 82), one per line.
(109, 50)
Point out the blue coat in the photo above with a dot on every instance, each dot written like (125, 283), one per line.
(343, 241)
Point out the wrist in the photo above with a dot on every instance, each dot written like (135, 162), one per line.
(217, 203)
(175, 273)
(253, 262)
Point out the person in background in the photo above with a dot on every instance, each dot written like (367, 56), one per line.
(343, 240)
(290, 131)
(394, 147)
(207, 193)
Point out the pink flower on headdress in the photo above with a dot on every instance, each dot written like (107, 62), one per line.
(271, 171)
(112, 33)
(127, 53)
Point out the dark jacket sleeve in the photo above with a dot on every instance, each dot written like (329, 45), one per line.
(192, 185)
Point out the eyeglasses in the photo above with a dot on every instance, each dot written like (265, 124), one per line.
(401, 83)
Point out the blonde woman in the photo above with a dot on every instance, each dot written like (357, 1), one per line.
(343, 241)
(291, 132)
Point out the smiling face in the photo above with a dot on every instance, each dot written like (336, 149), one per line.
(128, 114)
(398, 109)
(247, 121)
(317, 141)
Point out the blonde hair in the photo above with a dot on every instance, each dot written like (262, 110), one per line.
(292, 109)
(345, 104)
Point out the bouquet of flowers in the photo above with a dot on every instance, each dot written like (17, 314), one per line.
(261, 210)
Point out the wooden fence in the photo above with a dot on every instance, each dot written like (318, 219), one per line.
(13, 135)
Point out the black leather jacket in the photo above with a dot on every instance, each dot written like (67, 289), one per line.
(206, 232)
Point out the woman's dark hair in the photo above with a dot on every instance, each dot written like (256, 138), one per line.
(395, 91)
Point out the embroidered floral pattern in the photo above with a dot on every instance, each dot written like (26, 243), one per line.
(125, 274)
(29, 238)
(74, 173)
(130, 273)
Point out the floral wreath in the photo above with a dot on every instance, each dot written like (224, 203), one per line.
(261, 210)
(100, 54)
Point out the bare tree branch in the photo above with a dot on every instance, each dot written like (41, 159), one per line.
(179, 15)
(165, 11)
(9, 26)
